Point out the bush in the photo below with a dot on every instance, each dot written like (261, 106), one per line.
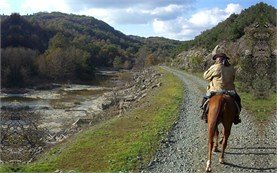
(17, 66)
(64, 63)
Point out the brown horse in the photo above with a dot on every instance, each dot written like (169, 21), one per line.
(222, 109)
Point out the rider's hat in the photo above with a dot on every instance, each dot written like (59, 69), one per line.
(218, 52)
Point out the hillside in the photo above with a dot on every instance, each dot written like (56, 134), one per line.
(74, 25)
(17, 31)
(249, 39)
(159, 48)
(233, 28)
(62, 42)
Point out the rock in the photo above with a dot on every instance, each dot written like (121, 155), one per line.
(82, 121)
(106, 104)
(129, 98)
(156, 85)
(71, 171)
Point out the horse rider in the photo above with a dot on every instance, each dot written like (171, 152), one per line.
(221, 76)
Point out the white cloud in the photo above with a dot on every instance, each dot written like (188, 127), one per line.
(5, 6)
(167, 20)
(213, 16)
(135, 15)
(207, 17)
(170, 9)
(184, 29)
(178, 28)
(32, 6)
(98, 13)
(124, 4)
(233, 8)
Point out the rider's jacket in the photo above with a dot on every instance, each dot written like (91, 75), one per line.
(220, 77)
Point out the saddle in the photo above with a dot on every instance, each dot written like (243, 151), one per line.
(206, 100)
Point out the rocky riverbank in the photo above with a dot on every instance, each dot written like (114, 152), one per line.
(65, 110)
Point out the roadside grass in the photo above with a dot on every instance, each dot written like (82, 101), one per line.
(4, 168)
(262, 109)
(126, 143)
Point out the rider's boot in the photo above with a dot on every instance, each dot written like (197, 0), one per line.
(204, 106)
(237, 120)
(203, 102)
(205, 115)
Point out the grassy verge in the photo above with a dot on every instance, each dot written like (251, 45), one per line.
(262, 109)
(121, 144)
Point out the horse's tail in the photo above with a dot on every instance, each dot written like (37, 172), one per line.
(221, 108)
(219, 105)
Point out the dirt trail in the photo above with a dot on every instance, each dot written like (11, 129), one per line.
(251, 147)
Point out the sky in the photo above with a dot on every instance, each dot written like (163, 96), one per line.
(174, 19)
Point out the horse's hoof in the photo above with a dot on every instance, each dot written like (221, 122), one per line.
(208, 167)
(221, 161)
(215, 150)
(208, 170)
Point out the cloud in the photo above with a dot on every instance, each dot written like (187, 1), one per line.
(123, 4)
(178, 28)
(213, 16)
(136, 15)
(98, 13)
(167, 18)
(5, 6)
(184, 29)
(233, 8)
(33, 6)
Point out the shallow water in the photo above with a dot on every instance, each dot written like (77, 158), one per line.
(44, 115)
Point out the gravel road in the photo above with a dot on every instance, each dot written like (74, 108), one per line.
(251, 146)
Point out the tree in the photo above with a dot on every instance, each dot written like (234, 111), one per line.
(58, 41)
(65, 63)
(150, 60)
(118, 63)
(17, 66)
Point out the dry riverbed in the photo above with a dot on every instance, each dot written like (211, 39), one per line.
(48, 117)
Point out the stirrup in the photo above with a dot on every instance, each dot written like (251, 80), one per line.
(205, 104)
(205, 116)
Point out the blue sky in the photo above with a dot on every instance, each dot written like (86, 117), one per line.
(175, 19)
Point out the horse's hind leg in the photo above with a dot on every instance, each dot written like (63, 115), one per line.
(215, 147)
(211, 132)
(226, 134)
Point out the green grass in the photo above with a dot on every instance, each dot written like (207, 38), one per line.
(5, 168)
(262, 109)
(121, 144)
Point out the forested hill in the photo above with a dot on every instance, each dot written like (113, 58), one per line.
(233, 27)
(55, 43)
(89, 27)
(17, 31)
(248, 39)
(156, 49)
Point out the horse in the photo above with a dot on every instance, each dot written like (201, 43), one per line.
(222, 109)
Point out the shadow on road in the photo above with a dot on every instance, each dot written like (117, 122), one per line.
(253, 151)
(250, 168)
(247, 151)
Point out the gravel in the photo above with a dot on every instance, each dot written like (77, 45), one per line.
(251, 146)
